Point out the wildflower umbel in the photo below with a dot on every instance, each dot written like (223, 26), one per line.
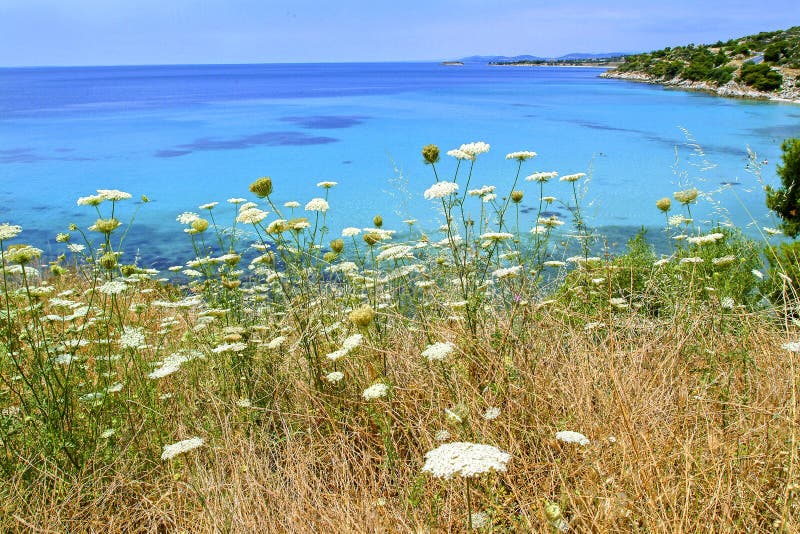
(171, 451)
(438, 351)
(464, 459)
(440, 190)
(568, 436)
(9, 231)
(521, 156)
(375, 391)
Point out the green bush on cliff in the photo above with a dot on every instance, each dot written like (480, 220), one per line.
(760, 77)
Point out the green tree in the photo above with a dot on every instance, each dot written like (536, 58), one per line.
(785, 201)
(760, 76)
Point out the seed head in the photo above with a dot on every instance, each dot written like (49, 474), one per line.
(686, 196)
(200, 225)
(371, 238)
(337, 246)
(106, 226)
(108, 261)
(664, 204)
(362, 316)
(262, 187)
(516, 196)
(431, 154)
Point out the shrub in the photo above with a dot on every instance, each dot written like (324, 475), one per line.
(760, 77)
(784, 201)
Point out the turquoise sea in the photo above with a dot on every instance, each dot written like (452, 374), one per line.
(187, 135)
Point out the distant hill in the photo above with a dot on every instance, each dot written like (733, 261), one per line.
(764, 64)
(523, 58)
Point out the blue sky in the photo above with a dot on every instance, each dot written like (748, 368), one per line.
(114, 32)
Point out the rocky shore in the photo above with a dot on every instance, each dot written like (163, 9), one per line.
(790, 92)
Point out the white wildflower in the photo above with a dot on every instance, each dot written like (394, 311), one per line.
(474, 149)
(375, 391)
(440, 190)
(113, 194)
(705, 239)
(541, 176)
(572, 177)
(491, 413)
(464, 459)
(113, 287)
(507, 272)
(350, 231)
(317, 204)
(334, 377)
(170, 451)
(568, 436)
(251, 216)
(9, 231)
(438, 351)
(327, 185)
(131, 338)
(522, 155)
(187, 217)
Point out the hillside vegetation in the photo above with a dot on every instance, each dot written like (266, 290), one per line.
(767, 61)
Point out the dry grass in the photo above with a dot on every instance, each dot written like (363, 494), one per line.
(693, 421)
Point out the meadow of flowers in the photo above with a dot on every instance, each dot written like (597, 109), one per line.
(502, 373)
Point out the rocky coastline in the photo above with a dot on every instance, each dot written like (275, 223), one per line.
(790, 92)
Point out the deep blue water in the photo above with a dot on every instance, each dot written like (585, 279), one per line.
(187, 135)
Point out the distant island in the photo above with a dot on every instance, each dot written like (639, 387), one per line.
(765, 66)
(453, 63)
(613, 61)
(574, 59)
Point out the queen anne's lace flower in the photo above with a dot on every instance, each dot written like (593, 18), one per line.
(438, 351)
(507, 272)
(170, 451)
(568, 436)
(113, 287)
(251, 216)
(541, 176)
(522, 155)
(375, 391)
(464, 459)
(317, 204)
(440, 190)
(9, 231)
(572, 177)
(113, 194)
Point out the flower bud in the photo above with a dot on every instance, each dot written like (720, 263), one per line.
(337, 246)
(664, 204)
(371, 238)
(516, 196)
(431, 154)
(377, 221)
(199, 225)
(362, 316)
(262, 187)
